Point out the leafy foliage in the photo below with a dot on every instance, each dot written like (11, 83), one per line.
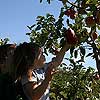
(47, 32)
(3, 41)
(75, 83)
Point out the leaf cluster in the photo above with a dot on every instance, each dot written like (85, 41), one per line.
(75, 84)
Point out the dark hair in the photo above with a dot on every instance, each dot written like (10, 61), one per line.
(4, 49)
(24, 56)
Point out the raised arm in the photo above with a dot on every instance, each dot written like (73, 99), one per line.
(35, 90)
(59, 57)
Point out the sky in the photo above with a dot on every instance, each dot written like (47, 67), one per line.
(16, 15)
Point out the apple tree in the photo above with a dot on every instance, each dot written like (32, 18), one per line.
(79, 24)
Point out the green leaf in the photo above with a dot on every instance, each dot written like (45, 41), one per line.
(28, 33)
(67, 21)
(40, 1)
(64, 1)
(5, 40)
(98, 26)
(75, 53)
(71, 51)
(48, 1)
(38, 28)
(91, 2)
(29, 27)
(33, 26)
(82, 50)
(62, 42)
(89, 54)
(93, 8)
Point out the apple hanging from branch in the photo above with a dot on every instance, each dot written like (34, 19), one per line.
(98, 17)
(94, 35)
(70, 13)
(71, 36)
(90, 21)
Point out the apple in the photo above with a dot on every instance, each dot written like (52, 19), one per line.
(72, 16)
(98, 20)
(71, 36)
(70, 13)
(98, 17)
(97, 77)
(90, 21)
(94, 35)
(73, 13)
(67, 12)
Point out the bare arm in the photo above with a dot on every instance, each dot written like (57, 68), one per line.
(59, 57)
(34, 90)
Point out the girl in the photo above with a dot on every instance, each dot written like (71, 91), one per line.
(32, 70)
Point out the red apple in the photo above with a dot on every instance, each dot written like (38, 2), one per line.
(72, 16)
(98, 20)
(98, 17)
(72, 11)
(97, 77)
(68, 12)
(71, 36)
(90, 21)
(94, 35)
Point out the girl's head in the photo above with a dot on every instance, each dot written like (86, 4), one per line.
(24, 57)
(6, 56)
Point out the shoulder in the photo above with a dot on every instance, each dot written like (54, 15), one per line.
(25, 79)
